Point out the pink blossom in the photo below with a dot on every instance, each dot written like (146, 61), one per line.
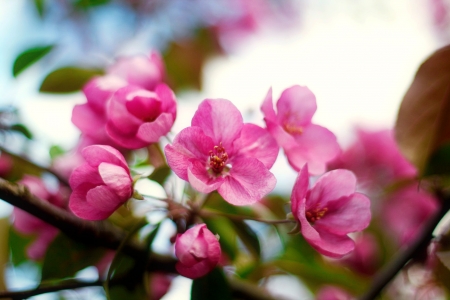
(28, 224)
(406, 210)
(375, 159)
(198, 252)
(365, 258)
(101, 184)
(302, 141)
(329, 211)
(332, 293)
(138, 117)
(220, 152)
(6, 165)
(145, 72)
(159, 285)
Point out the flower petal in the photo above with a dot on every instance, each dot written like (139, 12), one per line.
(81, 208)
(88, 121)
(99, 89)
(299, 191)
(116, 178)
(200, 179)
(151, 132)
(220, 120)
(84, 173)
(96, 154)
(118, 113)
(168, 100)
(296, 106)
(267, 108)
(248, 181)
(104, 199)
(257, 142)
(127, 141)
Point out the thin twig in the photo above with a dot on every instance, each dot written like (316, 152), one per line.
(210, 213)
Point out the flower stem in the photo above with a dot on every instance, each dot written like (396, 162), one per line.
(210, 213)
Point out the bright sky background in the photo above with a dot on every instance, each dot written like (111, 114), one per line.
(358, 57)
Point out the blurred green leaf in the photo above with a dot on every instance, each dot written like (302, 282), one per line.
(90, 3)
(20, 128)
(67, 79)
(40, 5)
(439, 162)
(225, 229)
(160, 174)
(56, 151)
(17, 246)
(211, 286)
(248, 237)
(215, 202)
(65, 257)
(28, 57)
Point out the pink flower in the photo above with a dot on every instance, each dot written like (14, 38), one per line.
(220, 152)
(365, 258)
(138, 117)
(159, 285)
(329, 211)
(198, 252)
(332, 293)
(406, 210)
(302, 141)
(29, 224)
(101, 184)
(145, 72)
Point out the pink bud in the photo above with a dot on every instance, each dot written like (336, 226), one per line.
(198, 252)
(332, 293)
(100, 185)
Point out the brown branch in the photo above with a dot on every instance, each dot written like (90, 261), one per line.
(104, 234)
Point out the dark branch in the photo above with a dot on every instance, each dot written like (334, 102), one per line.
(400, 259)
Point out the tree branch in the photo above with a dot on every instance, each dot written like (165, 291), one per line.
(400, 259)
(104, 234)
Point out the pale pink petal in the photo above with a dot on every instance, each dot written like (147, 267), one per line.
(38, 248)
(36, 186)
(200, 179)
(88, 120)
(190, 143)
(220, 120)
(296, 106)
(284, 139)
(299, 191)
(84, 173)
(347, 214)
(151, 132)
(25, 222)
(248, 182)
(96, 154)
(167, 97)
(104, 199)
(331, 186)
(267, 108)
(79, 206)
(116, 178)
(127, 141)
(99, 89)
(257, 142)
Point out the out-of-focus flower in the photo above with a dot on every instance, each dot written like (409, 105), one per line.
(302, 141)
(138, 117)
(332, 293)
(198, 252)
(140, 70)
(375, 159)
(365, 258)
(28, 224)
(329, 211)
(159, 285)
(220, 152)
(406, 210)
(101, 184)
(6, 165)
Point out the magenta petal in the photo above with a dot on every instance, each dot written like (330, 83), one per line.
(118, 113)
(88, 120)
(195, 271)
(130, 141)
(299, 191)
(96, 154)
(151, 132)
(267, 108)
(257, 142)
(347, 214)
(331, 186)
(296, 106)
(79, 206)
(104, 199)
(190, 143)
(200, 179)
(99, 89)
(144, 107)
(220, 120)
(84, 173)
(284, 139)
(116, 178)
(248, 182)
(168, 100)
(39, 247)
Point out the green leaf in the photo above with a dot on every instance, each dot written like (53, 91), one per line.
(160, 174)
(225, 229)
(28, 57)
(40, 5)
(17, 246)
(423, 125)
(20, 128)
(248, 237)
(65, 257)
(85, 4)
(56, 151)
(67, 79)
(211, 286)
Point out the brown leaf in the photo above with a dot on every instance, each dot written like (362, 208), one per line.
(423, 122)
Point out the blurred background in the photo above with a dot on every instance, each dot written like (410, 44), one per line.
(357, 56)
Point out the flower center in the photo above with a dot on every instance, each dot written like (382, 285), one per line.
(218, 158)
(293, 129)
(316, 214)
